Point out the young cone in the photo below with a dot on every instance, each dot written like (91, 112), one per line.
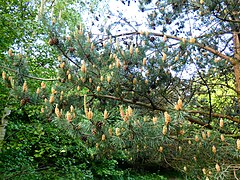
(196, 138)
(51, 100)
(221, 123)
(154, 120)
(238, 144)
(38, 91)
(57, 112)
(105, 114)
(117, 131)
(217, 167)
(214, 150)
(43, 85)
(4, 76)
(25, 88)
(103, 137)
(164, 130)
(69, 117)
(204, 135)
(167, 118)
(160, 149)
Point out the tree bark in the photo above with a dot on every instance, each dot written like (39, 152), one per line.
(2, 135)
(3, 124)
(236, 39)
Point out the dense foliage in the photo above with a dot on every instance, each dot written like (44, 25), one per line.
(100, 104)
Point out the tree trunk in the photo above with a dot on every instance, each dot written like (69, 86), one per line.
(3, 124)
(2, 134)
(236, 38)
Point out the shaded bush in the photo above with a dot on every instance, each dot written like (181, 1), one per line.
(42, 150)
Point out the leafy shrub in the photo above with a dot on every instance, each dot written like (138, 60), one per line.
(43, 150)
(39, 146)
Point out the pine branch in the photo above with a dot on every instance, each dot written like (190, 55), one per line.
(31, 77)
(189, 118)
(233, 61)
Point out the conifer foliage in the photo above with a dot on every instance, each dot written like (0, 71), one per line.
(125, 96)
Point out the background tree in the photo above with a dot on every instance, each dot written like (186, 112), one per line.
(212, 30)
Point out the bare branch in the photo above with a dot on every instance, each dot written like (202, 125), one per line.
(215, 115)
(66, 56)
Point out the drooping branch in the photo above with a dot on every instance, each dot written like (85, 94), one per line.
(31, 77)
(149, 106)
(188, 117)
